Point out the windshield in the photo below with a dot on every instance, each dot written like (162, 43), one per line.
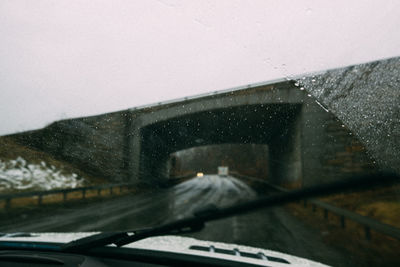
(125, 115)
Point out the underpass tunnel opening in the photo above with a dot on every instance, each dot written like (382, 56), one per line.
(246, 159)
(262, 124)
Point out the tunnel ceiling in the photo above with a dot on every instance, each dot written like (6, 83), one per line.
(256, 124)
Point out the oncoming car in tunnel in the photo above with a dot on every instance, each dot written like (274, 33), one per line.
(299, 170)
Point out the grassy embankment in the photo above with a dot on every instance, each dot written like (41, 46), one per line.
(10, 150)
(381, 204)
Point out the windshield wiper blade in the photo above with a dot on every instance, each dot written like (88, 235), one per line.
(198, 219)
(182, 226)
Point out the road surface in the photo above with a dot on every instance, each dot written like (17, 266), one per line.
(272, 228)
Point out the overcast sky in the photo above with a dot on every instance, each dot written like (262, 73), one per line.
(61, 59)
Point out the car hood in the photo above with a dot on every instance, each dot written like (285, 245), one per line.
(183, 245)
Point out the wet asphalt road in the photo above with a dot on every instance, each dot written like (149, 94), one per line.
(273, 228)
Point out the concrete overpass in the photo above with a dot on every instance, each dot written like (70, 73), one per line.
(309, 139)
(278, 114)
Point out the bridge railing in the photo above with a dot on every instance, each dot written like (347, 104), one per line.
(111, 188)
(343, 214)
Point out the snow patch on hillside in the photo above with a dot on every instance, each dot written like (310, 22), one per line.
(18, 174)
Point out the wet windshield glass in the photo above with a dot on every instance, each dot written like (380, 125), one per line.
(124, 115)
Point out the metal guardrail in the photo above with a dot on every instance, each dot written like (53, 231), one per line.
(40, 194)
(343, 214)
(368, 223)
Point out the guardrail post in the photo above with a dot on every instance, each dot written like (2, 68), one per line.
(367, 231)
(40, 199)
(342, 222)
(65, 196)
(83, 193)
(325, 214)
